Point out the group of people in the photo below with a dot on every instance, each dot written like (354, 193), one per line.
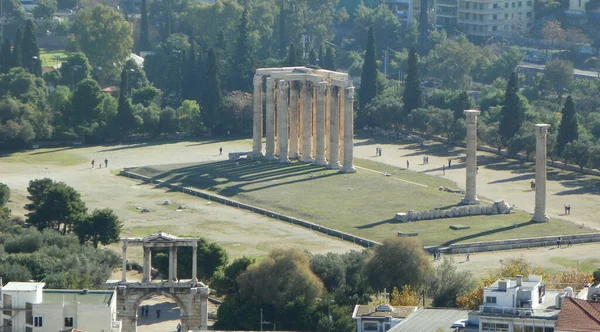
(378, 151)
(437, 255)
(425, 160)
(559, 242)
(567, 209)
(145, 309)
(100, 163)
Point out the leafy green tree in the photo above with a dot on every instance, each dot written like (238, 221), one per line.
(512, 111)
(59, 99)
(446, 282)
(524, 140)
(212, 98)
(312, 58)
(423, 26)
(452, 61)
(144, 42)
(30, 51)
(386, 27)
(168, 121)
(282, 29)
(329, 62)
(125, 118)
(13, 11)
(398, 262)
(20, 123)
(211, 258)
(6, 61)
(101, 227)
(101, 28)
(54, 204)
(291, 59)
(558, 76)
(242, 66)
(17, 48)
(568, 128)
(418, 120)
(579, 152)
(189, 117)
(85, 99)
(413, 96)
(4, 194)
(368, 77)
(150, 119)
(384, 110)
(331, 269)
(145, 95)
(14, 272)
(441, 121)
(75, 69)
(45, 9)
(463, 102)
(225, 280)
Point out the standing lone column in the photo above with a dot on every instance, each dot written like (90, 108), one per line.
(257, 117)
(294, 119)
(321, 119)
(471, 187)
(194, 263)
(334, 135)
(147, 268)
(541, 132)
(124, 276)
(307, 122)
(270, 123)
(282, 121)
(348, 131)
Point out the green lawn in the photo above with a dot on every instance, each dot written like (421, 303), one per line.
(52, 57)
(45, 156)
(586, 265)
(361, 204)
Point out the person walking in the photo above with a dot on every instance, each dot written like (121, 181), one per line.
(105, 162)
(444, 169)
(93, 162)
(468, 256)
(570, 243)
(407, 164)
(220, 151)
(157, 313)
(449, 163)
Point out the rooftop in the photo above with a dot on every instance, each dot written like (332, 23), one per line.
(427, 320)
(98, 297)
(526, 284)
(546, 309)
(23, 286)
(365, 311)
(579, 315)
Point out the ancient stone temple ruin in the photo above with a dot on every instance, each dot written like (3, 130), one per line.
(308, 115)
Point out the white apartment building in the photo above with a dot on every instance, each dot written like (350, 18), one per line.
(518, 305)
(405, 10)
(485, 18)
(27, 307)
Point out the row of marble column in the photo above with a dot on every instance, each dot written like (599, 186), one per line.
(541, 131)
(305, 120)
(147, 264)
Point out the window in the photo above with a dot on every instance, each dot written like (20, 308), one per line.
(520, 3)
(494, 327)
(529, 3)
(506, 16)
(495, 17)
(494, 28)
(68, 321)
(513, 5)
(467, 5)
(490, 299)
(506, 5)
(38, 321)
(529, 14)
(370, 326)
(579, 3)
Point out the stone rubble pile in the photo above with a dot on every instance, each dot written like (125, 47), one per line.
(499, 207)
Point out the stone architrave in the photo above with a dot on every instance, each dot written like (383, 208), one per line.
(282, 121)
(257, 117)
(321, 88)
(307, 125)
(471, 186)
(348, 131)
(293, 120)
(334, 135)
(270, 119)
(541, 133)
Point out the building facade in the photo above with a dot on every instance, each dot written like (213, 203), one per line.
(27, 307)
(405, 10)
(485, 18)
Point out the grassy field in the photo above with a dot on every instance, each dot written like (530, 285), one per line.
(585, 265)
(361, 204)
(52, 57)
(45, 156)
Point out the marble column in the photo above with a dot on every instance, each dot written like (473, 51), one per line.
(334, 135)
(471, 186)
(282, 120)
(194, 263)
(257, 117)
(270, 121)
(327, 120)
(175, 277)
(348, 131)
(341, 117)
(171, 256)
(147, 265)
(307, 122)
(124, 276)
(541, 132)
(321, 88)
(293, 113)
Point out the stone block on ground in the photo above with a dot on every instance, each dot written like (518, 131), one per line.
(459, 227)
(401, 217)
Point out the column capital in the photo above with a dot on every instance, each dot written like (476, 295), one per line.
(258, 80)
(270, 83)
(283, 84)
(349, 92)
(541, 129)
(471, 114)
(321, 86)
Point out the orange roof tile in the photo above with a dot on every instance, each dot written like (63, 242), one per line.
(579, 316)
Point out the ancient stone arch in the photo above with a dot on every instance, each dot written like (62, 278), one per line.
(190, 295)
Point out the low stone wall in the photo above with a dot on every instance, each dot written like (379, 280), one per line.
(499, 207)
(545, 241)
(267, 213)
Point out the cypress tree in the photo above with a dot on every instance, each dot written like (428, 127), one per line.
(462, 103)
(291, 59)
(6, 60)
(567, 130)
(329, 62)
(212, 97)
(16, 51)
(512, 112)
(125, 117)
(282, 40)
(190, 89)
(242, 66)
(413, 96)
(312, 58)
(368, 76)
(30, 51)
(144, 36)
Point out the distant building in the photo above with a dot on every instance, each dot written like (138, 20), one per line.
(405, 10)
(577, 12)
(484, 18)
(379, 318)
(517, 304)
(27, 307)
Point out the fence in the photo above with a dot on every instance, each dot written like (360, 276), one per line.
(267, 213)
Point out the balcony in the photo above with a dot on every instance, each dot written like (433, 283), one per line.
(450, 3)
(481, 11)
(493, 311)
